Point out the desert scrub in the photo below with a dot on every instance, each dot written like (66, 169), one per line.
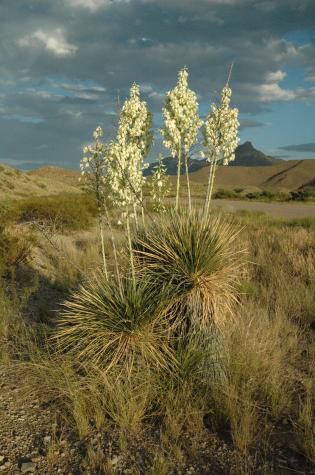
(15, 249)
(198, 257)
(115, 325)
(63, 212)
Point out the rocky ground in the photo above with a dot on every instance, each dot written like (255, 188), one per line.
(29, 441)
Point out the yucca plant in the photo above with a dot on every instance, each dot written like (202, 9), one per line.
(197, 257)
(116, 326)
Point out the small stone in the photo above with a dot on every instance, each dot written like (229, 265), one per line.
(47, 439)
(28, 467)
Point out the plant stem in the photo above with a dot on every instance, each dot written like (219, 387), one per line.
(188, 183)
(210, 182)
(179, 159)
(136, 214)
(130, 250)
(142, 209)
(113, 243)
(102, 242)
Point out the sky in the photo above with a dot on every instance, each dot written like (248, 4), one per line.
(65, 65)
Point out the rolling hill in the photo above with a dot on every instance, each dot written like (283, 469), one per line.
(57, 174)
(15, 184)
(286, 175)
(282, 175)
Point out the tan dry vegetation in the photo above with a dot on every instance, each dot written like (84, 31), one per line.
(261, 399)
(62, 175)
(16, 184)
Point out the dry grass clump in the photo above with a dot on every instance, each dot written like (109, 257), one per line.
(284, 270)
(261, 354)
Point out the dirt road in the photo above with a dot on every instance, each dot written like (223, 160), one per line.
(283, 210)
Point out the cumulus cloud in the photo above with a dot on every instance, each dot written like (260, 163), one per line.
(273, 92)
(275, 76)
(54, 42)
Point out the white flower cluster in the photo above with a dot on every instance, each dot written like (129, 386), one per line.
(93, 165)
(135, 122)
(124, 175)
(159, 185)
(125, 160)
(220, 131)
(181, 120)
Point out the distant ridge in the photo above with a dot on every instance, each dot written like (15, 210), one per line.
(286, 175)
(246, 155)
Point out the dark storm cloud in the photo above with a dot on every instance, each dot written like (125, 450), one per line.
(302, 147)
(79, 55)
(248, 124)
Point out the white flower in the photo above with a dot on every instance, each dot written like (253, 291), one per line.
(221, 129)
(181, 120)
(135, 122)
(125, 160)
(93, 165)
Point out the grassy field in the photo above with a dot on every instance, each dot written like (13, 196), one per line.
(168, 395)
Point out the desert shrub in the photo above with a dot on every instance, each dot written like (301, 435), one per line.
(304, 194)
(267, 194)
(253, 195)
(223, 193)
(196, 256)
(64, 212)
(14, 250)
(116, 324)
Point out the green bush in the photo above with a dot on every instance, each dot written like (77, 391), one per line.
(253, 195)
(303, 195)
(222, 193)
(66, 212)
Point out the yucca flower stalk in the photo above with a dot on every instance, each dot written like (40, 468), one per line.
(220, 137)
(159, 185)
(181, 125)
(125, 160)
(93, 171)
(125, 179)
(116, 330)
(135, 127)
